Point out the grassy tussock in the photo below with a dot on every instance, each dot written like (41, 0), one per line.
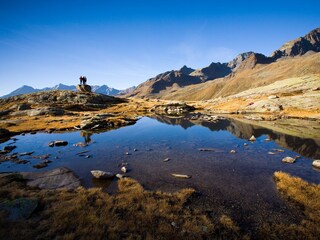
(132, 213)
(307, 197)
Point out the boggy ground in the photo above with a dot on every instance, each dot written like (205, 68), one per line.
(134, 213)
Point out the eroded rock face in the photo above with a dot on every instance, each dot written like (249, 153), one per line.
(173, 108)
(52, 179)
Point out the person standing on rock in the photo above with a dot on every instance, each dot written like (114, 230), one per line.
(81, 80)
(84, 80)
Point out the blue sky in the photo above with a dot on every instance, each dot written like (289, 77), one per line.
(123, 43)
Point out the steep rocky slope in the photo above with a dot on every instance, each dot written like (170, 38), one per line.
(299, 46)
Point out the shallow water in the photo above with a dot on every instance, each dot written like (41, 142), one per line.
(239, 184)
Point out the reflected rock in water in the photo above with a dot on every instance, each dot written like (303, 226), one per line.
(309, 147)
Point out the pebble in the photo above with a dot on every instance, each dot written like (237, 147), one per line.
(271, 153)
(232, 151)
(166, 159)
(181, 175)
(245, 144)
(124, 169)
(252, 138)
(120, 176)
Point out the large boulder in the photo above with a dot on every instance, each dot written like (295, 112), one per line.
(83, 88)
(52, 179)
(19, 209)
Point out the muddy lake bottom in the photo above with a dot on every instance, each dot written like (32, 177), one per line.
(238, 184)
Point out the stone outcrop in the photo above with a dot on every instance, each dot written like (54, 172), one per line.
(83, 88)
(52, 179)
(176, 108)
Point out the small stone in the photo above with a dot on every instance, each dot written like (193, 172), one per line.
(245, 144)
(124, 169)
(51, 144)
(166, 159)
(316, 163)
(135, 150)
(181, 175)
(232, 151)
(288, 160)
(60, 143)
(271, 153)
(252, 138)
(127, 153)
(88, 156)
(120, 176)
(101, 174)
(267, 140)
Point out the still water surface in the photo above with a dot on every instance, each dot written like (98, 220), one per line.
(239, 184)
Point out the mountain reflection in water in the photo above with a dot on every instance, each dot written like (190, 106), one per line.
(308, 147)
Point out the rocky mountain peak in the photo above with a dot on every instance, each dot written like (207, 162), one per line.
(213, 71)
(186, 70)
(236, 62)
(299, 46)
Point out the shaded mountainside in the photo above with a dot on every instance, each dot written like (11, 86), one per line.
(247, 70)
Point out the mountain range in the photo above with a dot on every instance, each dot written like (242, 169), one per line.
(245, 71)
(296, 58)
(104, 89)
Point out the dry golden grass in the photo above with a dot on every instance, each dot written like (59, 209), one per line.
(132, 213)
(306, 196)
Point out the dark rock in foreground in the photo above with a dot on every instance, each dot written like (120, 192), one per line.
(19, 209)
(52, 179)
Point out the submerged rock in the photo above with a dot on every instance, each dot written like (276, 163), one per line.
(9, 148)
(58, 143)
(316, 163)
(98, 174)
